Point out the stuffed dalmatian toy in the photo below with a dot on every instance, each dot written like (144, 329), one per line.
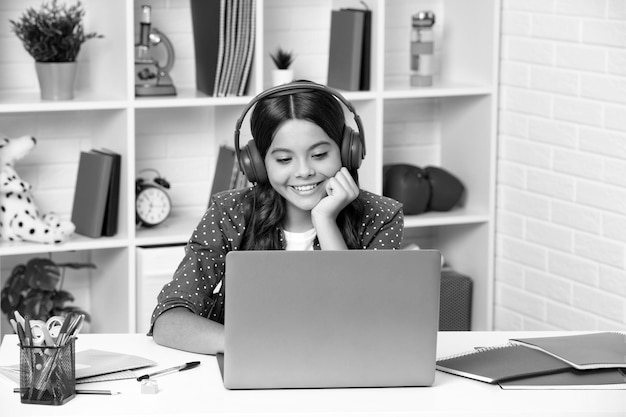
(19, 218)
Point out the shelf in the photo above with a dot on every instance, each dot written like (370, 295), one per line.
(188, 97)
(451, 124)
(75, 243)
(175, 230)
(437, 91)
(31, 102)
(450, 218)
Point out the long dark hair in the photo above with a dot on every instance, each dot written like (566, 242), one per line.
(265, 211)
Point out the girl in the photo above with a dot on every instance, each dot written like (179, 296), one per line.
(306, 200)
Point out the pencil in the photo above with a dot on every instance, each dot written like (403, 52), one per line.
(88, 391)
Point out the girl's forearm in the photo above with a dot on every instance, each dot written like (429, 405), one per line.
(329, 235)
(182, 329)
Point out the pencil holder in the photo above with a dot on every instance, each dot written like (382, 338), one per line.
(47, 374)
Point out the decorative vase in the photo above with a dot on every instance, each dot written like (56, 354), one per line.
(56, 80)
(282, 76)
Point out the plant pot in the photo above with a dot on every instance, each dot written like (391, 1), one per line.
(56, 80)
(282, 76)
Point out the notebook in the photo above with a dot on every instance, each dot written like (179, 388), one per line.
(499, 363)
(583, 351)
(571, 379)
(322, 319)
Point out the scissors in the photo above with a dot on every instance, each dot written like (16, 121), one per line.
(46, 332)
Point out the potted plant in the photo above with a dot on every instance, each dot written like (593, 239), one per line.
(283, 60)
(53, 36)
(35, 290)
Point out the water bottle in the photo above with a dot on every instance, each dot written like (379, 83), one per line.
(422, 49)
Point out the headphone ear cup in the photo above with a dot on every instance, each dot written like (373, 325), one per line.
(252, 164)
(351, 149)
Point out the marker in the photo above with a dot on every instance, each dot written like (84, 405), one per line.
(88, 391)
(180, 368)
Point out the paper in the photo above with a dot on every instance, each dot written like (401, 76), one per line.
(95, 366)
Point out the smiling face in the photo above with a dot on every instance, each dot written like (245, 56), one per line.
(299, 161)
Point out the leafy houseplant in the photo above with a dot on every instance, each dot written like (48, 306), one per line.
(35, 290)
(283, 60)
(53, 34)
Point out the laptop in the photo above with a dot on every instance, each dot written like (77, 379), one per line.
(330, 319)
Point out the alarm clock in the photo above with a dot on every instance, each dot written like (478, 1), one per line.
(152, 202)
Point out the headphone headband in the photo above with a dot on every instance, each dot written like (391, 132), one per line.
(296, 87)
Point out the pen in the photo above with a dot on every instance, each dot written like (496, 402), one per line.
(179, 368)
(88, 391)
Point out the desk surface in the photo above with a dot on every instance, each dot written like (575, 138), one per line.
(200, 391)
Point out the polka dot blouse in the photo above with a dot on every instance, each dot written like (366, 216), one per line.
(198, 283)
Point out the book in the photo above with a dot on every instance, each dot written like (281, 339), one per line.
(247, 64)
(223, 44)
(346, 49)
(573, 379)
(111, 213)
(366, 49)
(224, 169)
(207, 24)
(91, 192)
(499, 363)
(584, 351)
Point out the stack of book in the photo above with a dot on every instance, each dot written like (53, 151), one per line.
(96, 195)
(350, 49)
(585, 361)
(224, 37)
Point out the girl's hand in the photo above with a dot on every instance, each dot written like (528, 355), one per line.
(341, 190)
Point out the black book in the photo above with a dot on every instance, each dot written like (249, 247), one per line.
(111, 213)
(90, 195)
(207, 18)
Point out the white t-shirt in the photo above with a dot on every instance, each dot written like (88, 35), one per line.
(301, 240)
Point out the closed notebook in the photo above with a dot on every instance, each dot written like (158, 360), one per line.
(111, 213)
(345, 49)
(499, 363)
(91, 193)
(584, 351)
(572, 379)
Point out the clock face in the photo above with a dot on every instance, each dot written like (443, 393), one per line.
(153, 206)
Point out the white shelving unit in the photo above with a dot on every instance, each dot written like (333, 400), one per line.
(452, 124)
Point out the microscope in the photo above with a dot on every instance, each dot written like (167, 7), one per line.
(152, 79)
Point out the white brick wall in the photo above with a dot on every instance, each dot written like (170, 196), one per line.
(561, 183)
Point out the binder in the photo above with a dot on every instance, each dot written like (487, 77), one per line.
(90, 195)
(111, 213)
(346, 49)
(224, 36)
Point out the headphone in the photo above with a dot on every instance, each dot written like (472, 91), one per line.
(352, 143)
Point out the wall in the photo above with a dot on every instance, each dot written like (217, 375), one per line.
(561, 229)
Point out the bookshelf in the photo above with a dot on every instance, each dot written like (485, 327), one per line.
(452, 124)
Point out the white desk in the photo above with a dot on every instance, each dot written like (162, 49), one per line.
(200, 391)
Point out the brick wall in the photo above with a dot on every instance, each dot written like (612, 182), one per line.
(561, 183)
